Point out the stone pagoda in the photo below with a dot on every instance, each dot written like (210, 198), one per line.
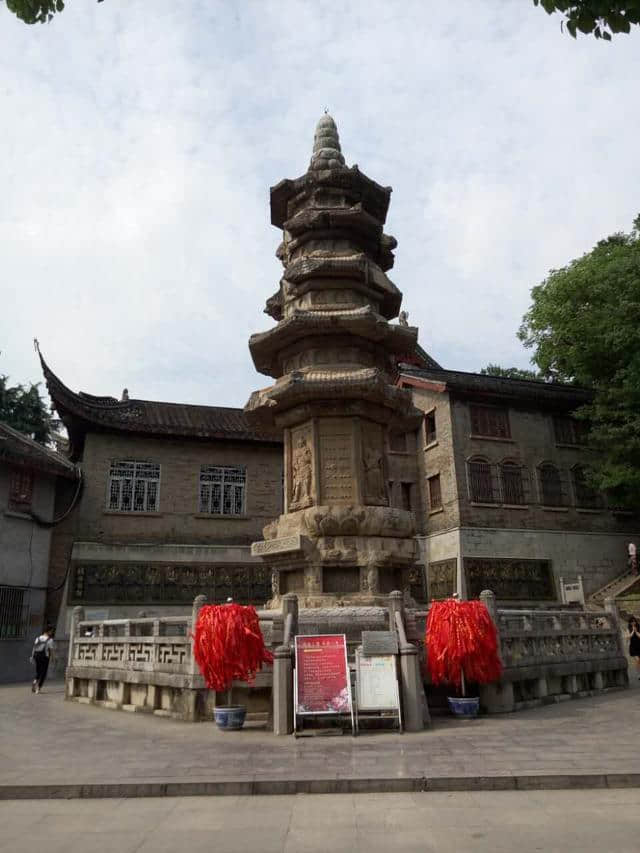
(334, 356)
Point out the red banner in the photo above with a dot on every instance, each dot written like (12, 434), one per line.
(322, 677)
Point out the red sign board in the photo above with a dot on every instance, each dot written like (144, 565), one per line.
(322, 676)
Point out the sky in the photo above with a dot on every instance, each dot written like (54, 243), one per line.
(139, 142)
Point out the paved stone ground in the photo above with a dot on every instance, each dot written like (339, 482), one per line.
(484, 822)
(45, 740)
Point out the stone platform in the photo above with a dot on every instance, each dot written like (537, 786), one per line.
(52, 748)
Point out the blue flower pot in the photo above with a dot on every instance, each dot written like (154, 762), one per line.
(466, 708)
(230, 718)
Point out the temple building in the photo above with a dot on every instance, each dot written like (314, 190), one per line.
(364, 467)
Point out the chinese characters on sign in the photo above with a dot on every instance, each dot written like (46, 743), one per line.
(322, 677)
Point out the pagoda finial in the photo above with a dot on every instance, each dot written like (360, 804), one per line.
(326, 146)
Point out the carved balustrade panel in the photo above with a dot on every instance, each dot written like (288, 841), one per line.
(173, 653)
(141, 652)
(113, 653)
(86, 652)
(533, 637)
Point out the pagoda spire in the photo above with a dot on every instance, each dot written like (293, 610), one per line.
(327, 153)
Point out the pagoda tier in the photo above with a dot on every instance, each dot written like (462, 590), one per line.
(333, 354)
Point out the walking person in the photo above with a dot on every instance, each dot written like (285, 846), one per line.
(634, 641)
(42, 654)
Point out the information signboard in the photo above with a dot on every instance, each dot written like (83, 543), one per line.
(377, 683)
(322, 683)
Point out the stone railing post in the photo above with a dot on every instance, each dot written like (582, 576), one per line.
(498, 697)
(396, 605)
(198, 603)
(282, 690)
(411, 687)
(76, 616)
(290, 606)
(611, 608)
(69, 682)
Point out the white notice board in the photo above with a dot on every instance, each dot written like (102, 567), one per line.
(377, 683)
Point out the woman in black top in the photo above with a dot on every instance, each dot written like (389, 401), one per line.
(634, 641)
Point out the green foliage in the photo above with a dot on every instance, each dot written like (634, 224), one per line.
(600, 17)
(25, 410)
(512, 372)
(35, 11)
(584, 327)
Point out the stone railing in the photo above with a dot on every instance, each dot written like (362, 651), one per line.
(552, 654)
(147, 664)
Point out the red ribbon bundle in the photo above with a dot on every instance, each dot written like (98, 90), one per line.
(228, 644)
(461, 637)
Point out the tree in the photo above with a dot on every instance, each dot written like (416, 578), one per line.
(600, 17)
(584, 327)
(25, 410)
(36, 11)
(512, 372)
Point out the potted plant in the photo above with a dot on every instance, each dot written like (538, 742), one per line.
(228, 646)
(462, 647)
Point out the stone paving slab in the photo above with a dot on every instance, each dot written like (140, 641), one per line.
(497, 822)
(53, 748)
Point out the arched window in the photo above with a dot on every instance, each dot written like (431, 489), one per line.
(481, 481)
(551, 490)
(586, 496)
(512, 483)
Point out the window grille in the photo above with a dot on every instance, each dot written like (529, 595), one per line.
(511, 475)
(481, 482)
(435, 493)
(490, 421)
(569, 430)
(20, 489)
(586, 496)
(134, 486)
(14, 612)
(430, 427)
(551, 489)
(222, 489)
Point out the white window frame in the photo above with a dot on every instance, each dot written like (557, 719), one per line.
(226, 476)
(137, 474)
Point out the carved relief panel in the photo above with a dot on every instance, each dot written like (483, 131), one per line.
(300, 476)
(373, 465)
(337, 474)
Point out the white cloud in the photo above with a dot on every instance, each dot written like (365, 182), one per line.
(134, 220)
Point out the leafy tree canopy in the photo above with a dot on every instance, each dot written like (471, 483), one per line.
(36, 11)
(584, 327)
(600, 17)
(512, 372)
(25, 410)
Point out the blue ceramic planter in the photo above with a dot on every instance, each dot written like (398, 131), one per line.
(464, 707)
(230, 718)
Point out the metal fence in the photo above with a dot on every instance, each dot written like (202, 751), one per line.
(14, 612)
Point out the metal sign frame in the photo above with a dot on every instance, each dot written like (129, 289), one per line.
(296, 713)
(396, 709)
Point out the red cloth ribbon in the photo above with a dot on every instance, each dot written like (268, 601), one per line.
(228, 645)
(461, 637)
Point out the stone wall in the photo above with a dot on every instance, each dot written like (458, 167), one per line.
(178, 519)
(532, 442)
(598, 557)
(24, 558)
(171, 535)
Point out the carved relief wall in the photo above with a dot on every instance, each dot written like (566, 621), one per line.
(301, 491)
(337, 475)
(373, 481)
